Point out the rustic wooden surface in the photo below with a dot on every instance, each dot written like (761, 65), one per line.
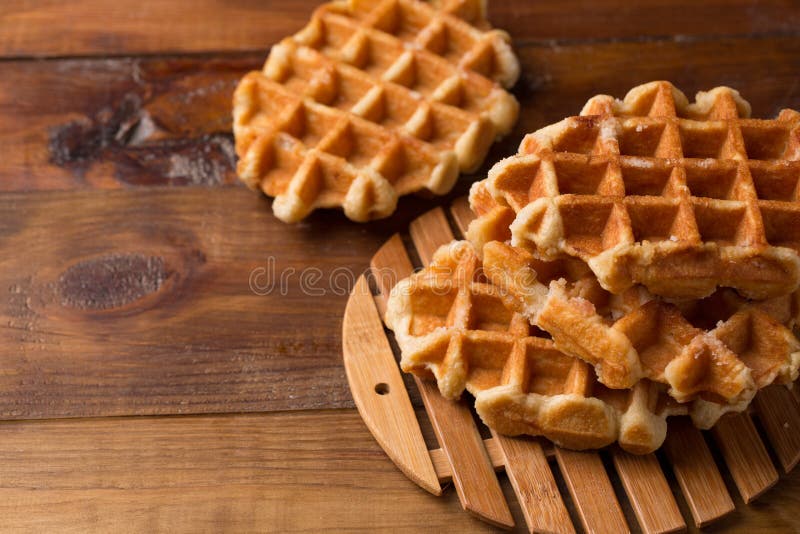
(128, 250)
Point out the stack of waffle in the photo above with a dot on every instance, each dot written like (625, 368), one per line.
(631, 263)
(373, 100)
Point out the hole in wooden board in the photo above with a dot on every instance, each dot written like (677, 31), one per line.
(382, 388)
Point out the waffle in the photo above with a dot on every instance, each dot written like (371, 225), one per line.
(453, 325)
(371, 101)
(719, 350)
(681, 198)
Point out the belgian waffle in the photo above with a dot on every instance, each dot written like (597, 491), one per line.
(373, 100)
(719, 350)
(453, 324)
(681, 198)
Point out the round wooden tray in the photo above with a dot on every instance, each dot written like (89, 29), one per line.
(470, 461)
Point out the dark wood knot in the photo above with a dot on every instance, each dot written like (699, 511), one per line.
(111, 281)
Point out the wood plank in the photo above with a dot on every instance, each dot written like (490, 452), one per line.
(430, 231)
(388, 266)
(445, 471)
(379, 391)
(462, 214)
(648, 492)
(591, 491)
(525, 461)
(536, 489)
(618, 19)
(98, 27)
(471, 468)
(550, 515)
(140, 302)
(287, 472)
(472, 471)
(145, 121)
(745, 455)
(118, 122)
(779, 413)
(126, 27)
(556, 81)
(697, 474)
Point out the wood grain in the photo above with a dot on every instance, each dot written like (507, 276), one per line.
(166, 121)
(388, 266)
(745, 455)
(110, 123)
(779, 413)
(471, 468)
(379, 392)
(99, 27)
(88, 27)
(648, 492)
(283, 472)
(445, 471)
(287, 472)
(524, 459)
(534, 485)
(697, 474)
(462, 214)
(140, 302)
(591, 491)
(429, 232)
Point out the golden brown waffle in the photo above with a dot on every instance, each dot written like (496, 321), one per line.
(373, 100)
(719, 350)
(681, 198)
(451, 323)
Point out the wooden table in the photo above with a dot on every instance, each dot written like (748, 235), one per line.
(147, 382)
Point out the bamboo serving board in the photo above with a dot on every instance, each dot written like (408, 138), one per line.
(534, 465)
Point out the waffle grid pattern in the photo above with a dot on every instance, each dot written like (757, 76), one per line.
(679, 197)
(453, 324)
(720, 349)
(714, 353)
(373, 100)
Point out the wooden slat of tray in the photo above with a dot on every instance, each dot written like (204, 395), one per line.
(388, 266)
(591, 491)
(745, 455)
(697, 474)
(648, 491)
(663, 518)
(430, 231)
(445, 471)
(379, 391)
(779, 413)
(534, 485)
(462, 214)
(525, 461)
(472, 470)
